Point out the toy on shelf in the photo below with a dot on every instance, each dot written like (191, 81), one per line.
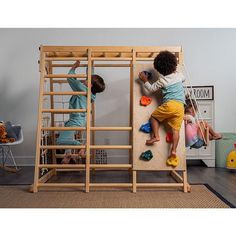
(231, 159)
(146, 128)
(147, 155)
(169, 137)
(172, 161)
(145, 101)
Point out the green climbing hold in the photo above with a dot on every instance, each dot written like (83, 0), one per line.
(147, 155)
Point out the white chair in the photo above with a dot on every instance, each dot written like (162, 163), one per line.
(5, 150)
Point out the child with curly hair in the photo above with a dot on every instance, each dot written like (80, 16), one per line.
(193, 129)
(171, 110)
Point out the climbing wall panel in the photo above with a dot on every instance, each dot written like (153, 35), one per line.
(141, 115)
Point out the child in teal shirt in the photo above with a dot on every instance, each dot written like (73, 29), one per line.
(78, 119)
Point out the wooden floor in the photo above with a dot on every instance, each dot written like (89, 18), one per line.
(221, 180)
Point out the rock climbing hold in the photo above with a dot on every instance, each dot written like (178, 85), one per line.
(169, 137)
(172, 161)
(146, 128)
(145, 101)
(147, 155)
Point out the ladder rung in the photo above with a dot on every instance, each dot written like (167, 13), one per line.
(118, 185)
(63, 128)
(66, 76)
(91, 128)
(112, 58)
(61, 185)
(110, 128)
(110, 146)
(110, 166)
(83, 146)
(66, 59)
(62, 166)
(65, 93)
(63, 110)
(62, 146)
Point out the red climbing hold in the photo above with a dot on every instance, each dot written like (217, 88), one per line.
(144, 101)
(169, 137)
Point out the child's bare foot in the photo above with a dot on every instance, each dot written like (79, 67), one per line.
(66, 159)
(173, 153)
(217, 136)
(151, 141)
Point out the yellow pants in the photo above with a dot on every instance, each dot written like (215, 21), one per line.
(171, 112)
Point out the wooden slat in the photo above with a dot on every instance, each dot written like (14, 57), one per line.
(159, 185)
(84, 49)
(94, 65)
(91, 128)
(88, 123)
(116, 185)
(65, 93)
(66, 58)
(62, 147)
(110, 146)
(111, 166)
(47, 176)
(65, 76)
(39, 125)
(61, 185)
(62, 166)
(112, 58)
(63, 110)
(64, 128)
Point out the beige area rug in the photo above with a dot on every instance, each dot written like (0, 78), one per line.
(19, 197)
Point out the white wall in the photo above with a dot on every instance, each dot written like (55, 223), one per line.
(209, 55)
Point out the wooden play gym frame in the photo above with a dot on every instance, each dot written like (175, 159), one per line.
(91, 57)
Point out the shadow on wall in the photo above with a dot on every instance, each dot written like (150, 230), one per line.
(21, 109)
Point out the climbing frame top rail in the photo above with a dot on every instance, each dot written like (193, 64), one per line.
(105, 53)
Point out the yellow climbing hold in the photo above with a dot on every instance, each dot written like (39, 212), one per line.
(231, 160)
(172, 161)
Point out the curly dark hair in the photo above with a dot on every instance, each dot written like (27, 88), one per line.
(165, 63)
(98, 84)
(189, 104)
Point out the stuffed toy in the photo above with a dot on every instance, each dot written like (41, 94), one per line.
(3, 135)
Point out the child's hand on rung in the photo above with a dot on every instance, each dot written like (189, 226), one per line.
(143, 77)
(77, 64)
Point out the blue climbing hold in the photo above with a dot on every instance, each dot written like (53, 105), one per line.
(146, 128)
(147, 155)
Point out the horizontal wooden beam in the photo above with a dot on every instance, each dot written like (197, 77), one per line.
(110, 146)
(65, 76)
(62, 166)
(159, 185)
(116, 185)
(66, 59)
(84, 49)
(111, 58)
(94, 65)
(62, 146)
(64, 128)
(91, 128)
(65, 93)
(63, 110)
(61, 185)
(111, 166)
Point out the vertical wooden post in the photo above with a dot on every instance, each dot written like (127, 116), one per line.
(185, 182)
(93, 132)
(50, 71)
(39, 126)
(132, 68)
(93, 122)
(87, 183)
